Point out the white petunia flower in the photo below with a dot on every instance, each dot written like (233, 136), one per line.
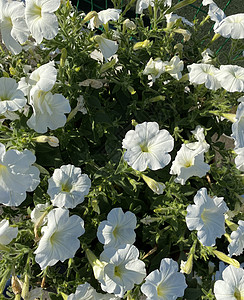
(11, 97)
(13, 27)
(231, 78)
(238, 126)
(207, 217)
(147, 147)
(60, 238)
(87, 292)
(174, 67)
(237, 240)
(38, 211)
(165, 283)
(204, 73)
(103, 17)
(239, 160)
(118, 229)
(143, 4)
(17, 175)
(123, 269)
(7, 233)
(188, 163)
(154, 68)
(232, 26)
(207, 56)
(216, 14)
(201, 144)
(43, 78)
(48, 111)
(40, 18)
(107, 47)
(68, 187)
(171, 18)
(232, 285)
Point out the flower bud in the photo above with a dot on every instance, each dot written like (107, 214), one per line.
(156, 187)
(16, 285)
(89, 16)
(25, 289)
(51, 140)
(186, 266)
(97, 265)
(226, 259)
(141, 45)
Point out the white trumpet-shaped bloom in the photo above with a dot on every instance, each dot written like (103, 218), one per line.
(143, 4)
(59, 239)
(239, 160)
(107, 47)
(7, 233)
(103, 17)
(17, 175)
(232, 285)
(118, 229)
(40, 18)
(207, 217)
(154, 68)
(13, 27)
(38, 211)
(167, 283)
(204, 73)
(231, 78)
(87, 292)
(232, 26)
(189, 162)
(174, 67)
(48, 111)
(123, 269)
(237, 240)
(238, 126)
(11, 97)
(147, 147)
(68, 187)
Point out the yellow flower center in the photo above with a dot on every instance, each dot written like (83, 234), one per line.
(37, 10)
(144, 147)
(238, 295)
(161, 290)
(66, 187)
(2, 169)
(188, 163)
(54, 238)
(115, 231)
(117, 271)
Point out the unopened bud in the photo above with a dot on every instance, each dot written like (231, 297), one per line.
(227, 259)
(156, 187)
(89, 16)
(51, 140)
(16, 285)
(25, 289)
(141, 45)
(97, 265)
(186, 266)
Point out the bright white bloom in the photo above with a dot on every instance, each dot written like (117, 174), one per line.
(68, 187)
(118, 229)
(48, 111)
(232, 26)
(204, 73)
(174, 67)
(123, 269)
(207, 217)
(7, 233)
(38, 211)
(107, 47)
(188, 163)
(216, 14)
(43, 78)
(103, 17)
(12, 25)
(206, 2)
(238, 126)
(232, 285)
(207, 56)
(40, 18)
(154, 68)
(11, 97)
(147, 147)
(201, 144)
(143, 4)
(17, 175)
(237, 240)
(171, 18)
(87, 292)
(60, 238)
(239, 160)
(166, 283)
(231, 78)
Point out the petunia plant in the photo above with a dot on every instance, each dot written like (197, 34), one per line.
(121, 151)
